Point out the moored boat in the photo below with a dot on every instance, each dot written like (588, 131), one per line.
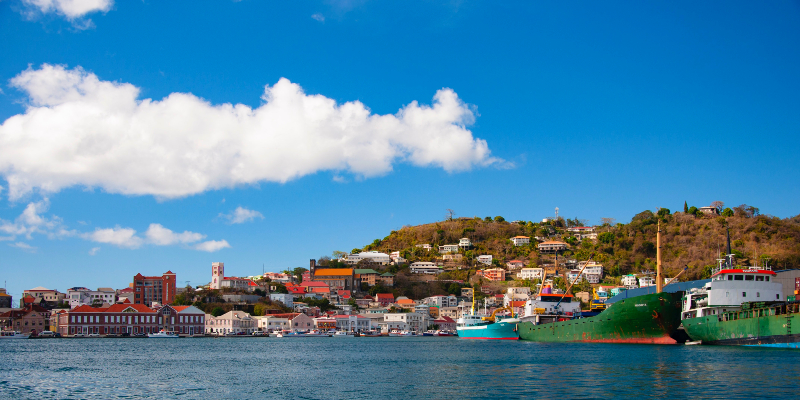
(741, 306)
(651, 318)
(13, 335)
(399, 333)
(162, 334)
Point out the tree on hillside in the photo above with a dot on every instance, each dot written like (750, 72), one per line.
(718, 205)
(745, 211)
(685, 208)
(727, 212)
(450, 214)
(499, 219)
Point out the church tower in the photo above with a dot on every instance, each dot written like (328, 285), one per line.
(217, 274)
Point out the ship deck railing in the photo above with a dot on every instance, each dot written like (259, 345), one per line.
(719, 268)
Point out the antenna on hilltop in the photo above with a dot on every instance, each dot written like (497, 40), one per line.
(556, 213)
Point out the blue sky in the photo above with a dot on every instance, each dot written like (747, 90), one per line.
(133, 131)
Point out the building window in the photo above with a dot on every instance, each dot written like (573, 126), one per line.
(744, 294)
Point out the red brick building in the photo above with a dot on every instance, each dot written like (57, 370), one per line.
(154, 289)
(117, 319)
(30, 319)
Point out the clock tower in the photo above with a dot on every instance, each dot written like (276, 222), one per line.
(217, 274)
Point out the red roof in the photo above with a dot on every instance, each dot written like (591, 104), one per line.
(388, 296)
(114, 308)
(320, 290)
(518, 303)
(444, 319)
(296, 289)
(127, 301)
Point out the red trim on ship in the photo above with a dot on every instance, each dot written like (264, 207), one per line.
(655, 340)
(490, 338)
(745, 271)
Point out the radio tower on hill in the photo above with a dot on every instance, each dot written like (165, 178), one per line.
(556, 213)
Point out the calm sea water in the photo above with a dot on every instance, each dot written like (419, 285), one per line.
(387, 368)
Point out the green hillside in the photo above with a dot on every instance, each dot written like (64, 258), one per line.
(690, 239)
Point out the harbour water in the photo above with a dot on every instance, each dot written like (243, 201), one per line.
(388, 368)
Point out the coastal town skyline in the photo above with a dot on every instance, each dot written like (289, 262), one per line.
(511, 110)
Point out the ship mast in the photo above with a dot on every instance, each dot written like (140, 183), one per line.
(659, 279)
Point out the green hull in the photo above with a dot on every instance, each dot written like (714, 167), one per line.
(651, 318)
(770, 325)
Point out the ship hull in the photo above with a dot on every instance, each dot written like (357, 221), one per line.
(650, 319)
(503, 330)
(766, 331)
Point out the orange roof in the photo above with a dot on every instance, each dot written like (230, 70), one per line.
(553, 242)
(333, 272)
(405, 301)
(179, 308)
(518, 303)
(521, 237)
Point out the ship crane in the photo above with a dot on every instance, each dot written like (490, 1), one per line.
(573, 283)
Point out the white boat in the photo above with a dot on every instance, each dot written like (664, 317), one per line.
(399, 333)
(343, 334)
(13, 335)
(162, 334)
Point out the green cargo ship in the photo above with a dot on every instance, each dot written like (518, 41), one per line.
(770, 324)
(651, 318)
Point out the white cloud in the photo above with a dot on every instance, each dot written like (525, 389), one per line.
(23, 246)
(161, 236)
(32, 221)
(94, 251)
(319, 17)
(72, 9)
(212, 245)
(241, 215)
(79, 130)
(120, 237)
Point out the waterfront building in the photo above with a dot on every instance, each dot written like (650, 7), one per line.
(448, 248)
(232, 322)
(425, 267)
(485, 259)
(352, 323)
(154, 289)
(31, 318)
(301, 322)
(520, 240)
(272, 323)
(325, 323)
(183, 320)
(445, 323)
(117, 319)
(407, 321)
